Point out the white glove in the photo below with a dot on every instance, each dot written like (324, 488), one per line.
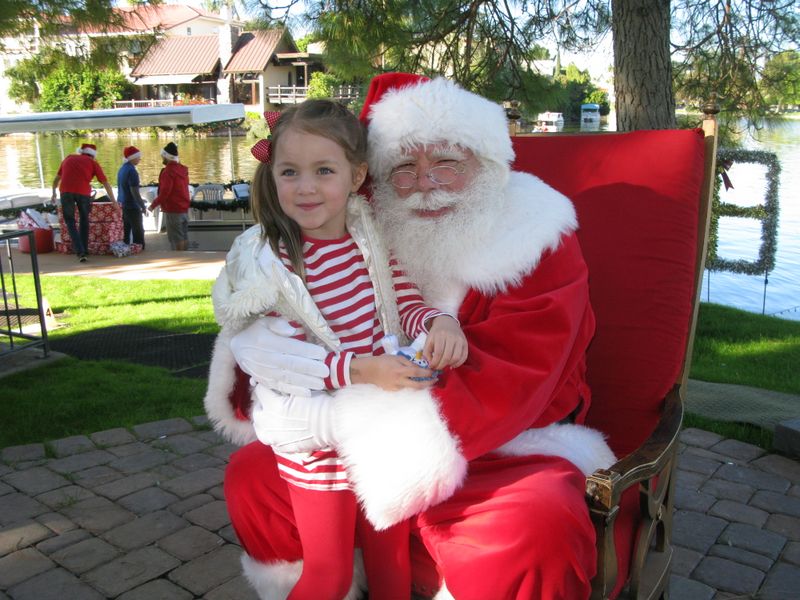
(291, 423)
(265, 351)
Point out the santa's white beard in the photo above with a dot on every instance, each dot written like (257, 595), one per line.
(434, 249)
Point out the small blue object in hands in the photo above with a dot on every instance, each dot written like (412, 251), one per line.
(412, 353)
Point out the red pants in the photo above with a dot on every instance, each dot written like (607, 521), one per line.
(518, 529)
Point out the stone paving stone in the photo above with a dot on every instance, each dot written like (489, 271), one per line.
(130, 571)
(218, 492)
(212, 516)
(65, 496)
(229, 534)
(696, 531)
(721, 458)
(698, 464)
(684, 561)
(55, 544)
(720, 488)
(83, 556)
(738, 512)
(779, 465)
(125, 485)
(157, 429)
(727, 575)
(18, 507)
(55, 584)
(690, 499)
(79, 462)
(190, 503)
(209, 571)
(112, 437)
(71, 445)
(35, 481)
(56, 522)
(184, 444)
(681, 588)
(783, 583)
(689, 479)
(194, 483)
(96, 476)
(148, 500)
(235, 589)
(145, 530)
(21, 565)
(21, 535)
(737, 449)
(142, 461)
(788, 527)
(776, 503)
(210, 436)
(5, 488)
(200, 421)
(98, 514)
(794, 491)
(698, 437)
(158, 589)
(224, 451)
(166, 472)
(753, 539)
(791, 553)
(5, 469)
(754, 477)
(190, 542)
(16, 454)
(197, 461)
(751, 559)
(134, 447)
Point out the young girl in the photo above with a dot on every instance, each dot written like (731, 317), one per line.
(316, 241)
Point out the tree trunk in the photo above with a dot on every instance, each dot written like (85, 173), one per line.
(642, 65)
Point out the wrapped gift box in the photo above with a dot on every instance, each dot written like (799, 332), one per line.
(105, 226)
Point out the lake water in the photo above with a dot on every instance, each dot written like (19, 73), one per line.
(220, 159)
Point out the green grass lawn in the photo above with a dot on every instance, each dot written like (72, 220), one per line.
(72, 397)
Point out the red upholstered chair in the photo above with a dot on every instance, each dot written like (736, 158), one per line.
(643, 202)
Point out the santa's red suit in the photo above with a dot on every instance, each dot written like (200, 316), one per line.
(490, 463)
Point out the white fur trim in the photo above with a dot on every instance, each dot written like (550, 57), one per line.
(88, 151)
(221, 379)
(443, 593)
(274, 581)
(584, 447)
(169, 156)
(399, 454)
(431, 112)
(133, 156)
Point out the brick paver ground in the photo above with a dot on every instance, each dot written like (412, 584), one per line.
(140, 515)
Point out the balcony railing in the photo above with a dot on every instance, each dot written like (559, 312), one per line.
(142, 103)
(294, 94)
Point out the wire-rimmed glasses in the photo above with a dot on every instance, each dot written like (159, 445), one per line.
(440, 175)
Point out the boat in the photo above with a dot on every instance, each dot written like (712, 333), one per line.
(549, 122)
(590, 116)
(206, 232)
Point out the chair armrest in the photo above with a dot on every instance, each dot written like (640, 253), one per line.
(605, 486)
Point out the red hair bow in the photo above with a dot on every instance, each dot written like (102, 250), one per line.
(262, 149)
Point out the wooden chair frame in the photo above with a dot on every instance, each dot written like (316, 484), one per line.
(652, 466)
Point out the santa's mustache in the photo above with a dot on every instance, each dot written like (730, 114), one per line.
(429, 201)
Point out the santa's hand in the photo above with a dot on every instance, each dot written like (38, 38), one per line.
(265, 351)
(292, 423)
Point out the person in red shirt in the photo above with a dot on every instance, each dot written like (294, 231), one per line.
(173, 197)
(74, 180)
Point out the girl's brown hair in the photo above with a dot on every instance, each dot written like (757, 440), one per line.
(324, 118)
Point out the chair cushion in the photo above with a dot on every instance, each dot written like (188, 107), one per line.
(636, 195)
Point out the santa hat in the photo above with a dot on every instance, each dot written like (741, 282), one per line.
(131, 153)
(403, 110)
(170, 152)
(89, 149)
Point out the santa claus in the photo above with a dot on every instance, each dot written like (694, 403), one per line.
(489, 463)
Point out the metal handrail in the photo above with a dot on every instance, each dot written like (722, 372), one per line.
(11, 329)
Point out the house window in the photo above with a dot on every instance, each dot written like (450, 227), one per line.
(290, 79)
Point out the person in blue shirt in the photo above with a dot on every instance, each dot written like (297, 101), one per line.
(129, 198)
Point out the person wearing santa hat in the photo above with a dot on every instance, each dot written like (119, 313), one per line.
(129, 198)
(489, 463)
(74, 181)
(173, 197)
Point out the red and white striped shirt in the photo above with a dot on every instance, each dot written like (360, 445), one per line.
(338, 281)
